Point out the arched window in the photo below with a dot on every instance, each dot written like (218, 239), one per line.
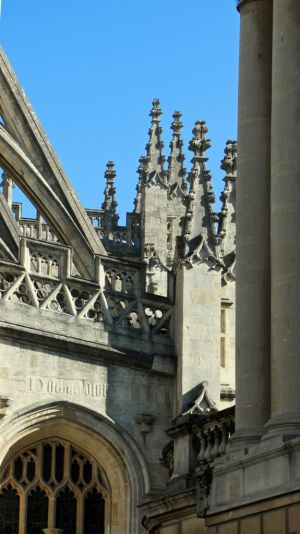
(53, 484)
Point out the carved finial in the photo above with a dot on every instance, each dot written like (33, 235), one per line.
(199, 144)
(141, 171)
(200, 217)
(226, 228)
(177, 172)
(155, 159)
(228, 163)
(109, 205)
(155, 112)
(176, 125)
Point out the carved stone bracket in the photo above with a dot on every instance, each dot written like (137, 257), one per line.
(145, 421)
(228, 271)
(201, 254)
(167, 459)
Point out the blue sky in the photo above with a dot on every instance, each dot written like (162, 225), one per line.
(91, 69)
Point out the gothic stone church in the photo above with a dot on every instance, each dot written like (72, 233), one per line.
(117, 342)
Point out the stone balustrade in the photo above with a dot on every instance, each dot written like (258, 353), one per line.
(34, 229)
(214, 434)
(118, 239)
(203, 437)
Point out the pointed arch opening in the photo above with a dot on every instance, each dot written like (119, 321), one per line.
(53, 484)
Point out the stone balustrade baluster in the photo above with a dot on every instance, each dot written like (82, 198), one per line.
(208, 452)
(203, 444)
(224, 439)
(217, 441)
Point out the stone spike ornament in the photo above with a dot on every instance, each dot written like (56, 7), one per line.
(200, 219)
(155, 159)
(110, 204)
(176, 170)
(227, 215)
(141, 171)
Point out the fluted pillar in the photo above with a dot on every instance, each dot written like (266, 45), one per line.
(285, 219)
(253, 229)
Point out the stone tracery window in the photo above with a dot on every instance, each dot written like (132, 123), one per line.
(53, 485)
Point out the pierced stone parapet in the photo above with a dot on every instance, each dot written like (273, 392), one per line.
(116, 304)
(145, 422)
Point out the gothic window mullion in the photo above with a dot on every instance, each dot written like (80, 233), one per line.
(80, 515)
(53, 463)
(51, 511)
(58, 486)
(23, 513)
(67, 464)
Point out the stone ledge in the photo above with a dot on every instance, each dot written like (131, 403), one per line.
(273, 469)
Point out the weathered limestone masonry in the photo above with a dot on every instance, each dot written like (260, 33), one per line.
(108, 332)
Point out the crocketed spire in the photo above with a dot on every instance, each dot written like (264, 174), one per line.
(227, 216)
(176, 170)
(155, 158)
(200, 217)
(109, 205)
(141, 171)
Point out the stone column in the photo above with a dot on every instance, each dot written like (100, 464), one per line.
(253, 213)
(285, 219)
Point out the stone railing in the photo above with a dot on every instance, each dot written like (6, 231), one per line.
(214, 433)
(198, 439)
(34, 229)
(83, 299)
(119, 239)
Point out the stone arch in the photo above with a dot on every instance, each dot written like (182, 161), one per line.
(109, 445)
(28, 157)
